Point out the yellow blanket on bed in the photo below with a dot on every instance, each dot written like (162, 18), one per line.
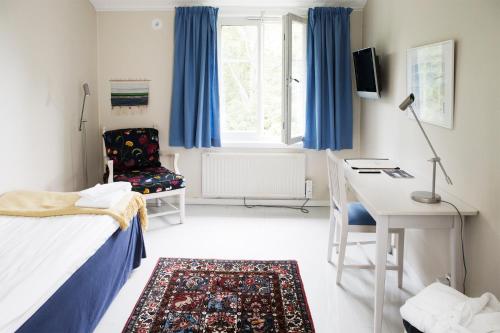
(45, 204)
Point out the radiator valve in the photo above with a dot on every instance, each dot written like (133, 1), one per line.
(309, 189)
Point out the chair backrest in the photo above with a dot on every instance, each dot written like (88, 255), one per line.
(337, 185)
(132, 148)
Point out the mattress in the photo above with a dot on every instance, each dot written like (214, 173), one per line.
(37, 255)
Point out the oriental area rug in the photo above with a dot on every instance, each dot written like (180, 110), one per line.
(223, 296)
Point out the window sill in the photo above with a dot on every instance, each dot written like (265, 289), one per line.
(263, 145)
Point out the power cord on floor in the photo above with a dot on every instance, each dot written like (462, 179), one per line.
(301, 208)
(461, 240)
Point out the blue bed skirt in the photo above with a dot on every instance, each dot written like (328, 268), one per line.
(78, 305)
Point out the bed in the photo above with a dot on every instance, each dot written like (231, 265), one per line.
(60, 274)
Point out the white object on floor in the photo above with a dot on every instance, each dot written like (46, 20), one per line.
(43, 252)
(439, 309)
(102, 190)
(103, 201)
(388, 200)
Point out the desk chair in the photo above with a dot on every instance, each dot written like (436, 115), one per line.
(352, 217)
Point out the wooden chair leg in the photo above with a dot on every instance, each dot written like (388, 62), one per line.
(331, 236)
(342, 245)
(401, 253)
(393, 244)
(337, 239)
(182, 206)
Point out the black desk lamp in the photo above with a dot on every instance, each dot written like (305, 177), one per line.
(425, 196)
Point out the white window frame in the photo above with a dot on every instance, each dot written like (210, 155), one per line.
(288, 80)
(254, 139)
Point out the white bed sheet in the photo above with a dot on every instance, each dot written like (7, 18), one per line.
(37, 255)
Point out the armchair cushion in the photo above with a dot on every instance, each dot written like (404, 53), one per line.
(132, 148)
(151, 179)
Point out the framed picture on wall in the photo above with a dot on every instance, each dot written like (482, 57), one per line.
(430, 73)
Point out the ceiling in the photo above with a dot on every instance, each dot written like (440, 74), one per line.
(131, 5)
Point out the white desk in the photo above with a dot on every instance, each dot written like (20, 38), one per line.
(388, 201)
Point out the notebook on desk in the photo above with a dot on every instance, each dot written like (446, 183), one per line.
(371, 163)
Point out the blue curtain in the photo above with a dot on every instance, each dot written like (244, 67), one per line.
(329, 90)
(194, 117)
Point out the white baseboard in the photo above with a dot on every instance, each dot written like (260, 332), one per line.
(271, 202)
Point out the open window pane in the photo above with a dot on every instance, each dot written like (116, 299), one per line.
(295, 77)
(240, 80)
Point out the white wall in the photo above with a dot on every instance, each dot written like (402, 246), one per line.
(47, 50)
(471, 151)
(129, 48)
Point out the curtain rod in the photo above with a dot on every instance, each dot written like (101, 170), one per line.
(263, 18)
(270, 9)
(128, 80)
(168, 9)
(274, 13)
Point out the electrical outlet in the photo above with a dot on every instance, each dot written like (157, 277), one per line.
(309, 189)
(446, 280)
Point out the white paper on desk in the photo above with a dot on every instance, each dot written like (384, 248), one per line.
(368, 163)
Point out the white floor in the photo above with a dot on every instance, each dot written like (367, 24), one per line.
(232, 232)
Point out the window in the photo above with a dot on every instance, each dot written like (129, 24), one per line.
(262, 74)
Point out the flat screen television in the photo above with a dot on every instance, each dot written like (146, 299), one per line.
(366, 70)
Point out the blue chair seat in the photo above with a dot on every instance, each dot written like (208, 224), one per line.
(358, 215)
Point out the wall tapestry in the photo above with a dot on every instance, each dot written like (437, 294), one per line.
(129, 95)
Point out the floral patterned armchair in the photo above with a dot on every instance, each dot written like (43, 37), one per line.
(133, 155)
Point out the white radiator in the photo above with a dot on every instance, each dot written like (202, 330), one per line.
(253, 175)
